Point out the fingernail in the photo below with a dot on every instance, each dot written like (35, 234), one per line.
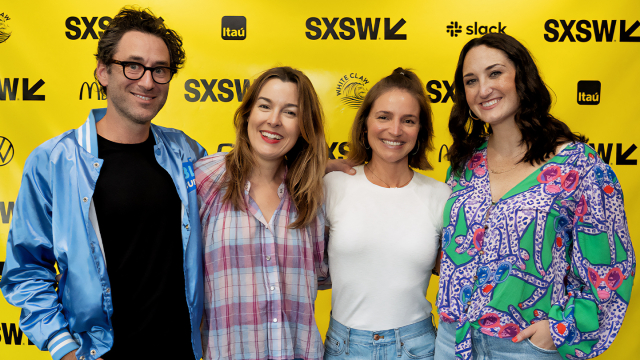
(352, 172)
(515, 339)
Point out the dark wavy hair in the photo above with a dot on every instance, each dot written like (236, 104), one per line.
(403, 79)
(541, 132)
(131, 18)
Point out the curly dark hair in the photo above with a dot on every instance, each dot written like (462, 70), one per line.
(131, 18)
(541, 132)
(403, 79)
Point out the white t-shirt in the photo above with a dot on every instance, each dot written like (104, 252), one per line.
(383, 245)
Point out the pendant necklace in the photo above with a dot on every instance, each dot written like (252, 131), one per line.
(377, 177)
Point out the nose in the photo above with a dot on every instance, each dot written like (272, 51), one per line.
(486, 88)
(274, 119)
(146, 81)
(396, 128)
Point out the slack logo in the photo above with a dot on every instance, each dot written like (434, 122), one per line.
(588, 92)
(455, 28)
(234, 28)
(9, 88)
(76, 32)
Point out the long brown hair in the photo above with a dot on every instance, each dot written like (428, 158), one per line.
(305, 161)
(541, 131)
(403, 79)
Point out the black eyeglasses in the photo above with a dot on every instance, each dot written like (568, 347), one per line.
(135, 71)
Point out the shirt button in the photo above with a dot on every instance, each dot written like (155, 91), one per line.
(273, 288)
(275, 320)
(481, 252)
(108, 290)
(486, 227)
(81, 358)
(85, 199)
(468, 302)
(93, 352)
(268, 257)
(187, 226)
(96, 165)
(475, 278)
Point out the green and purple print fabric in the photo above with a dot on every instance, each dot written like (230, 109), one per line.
(556, 247)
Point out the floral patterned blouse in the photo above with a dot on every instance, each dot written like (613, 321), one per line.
(555, 247)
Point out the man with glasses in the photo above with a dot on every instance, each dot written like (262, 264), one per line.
(104, 253)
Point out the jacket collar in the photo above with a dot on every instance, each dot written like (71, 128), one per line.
(87, 135)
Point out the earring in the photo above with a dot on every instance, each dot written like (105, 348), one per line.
(472, 115)
(417, 149)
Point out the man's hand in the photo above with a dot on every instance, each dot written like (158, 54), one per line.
(339, 165)
(71, 355)
(539, 335)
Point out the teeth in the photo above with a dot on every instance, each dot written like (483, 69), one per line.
(142, 97)
(492, 102)
(392, 143)
(270, 135)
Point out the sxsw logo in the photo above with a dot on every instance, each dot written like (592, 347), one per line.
(75, 27)
(13, 335)
(6, 211)
(586, 30)
(225, 90)
(234, 28)
(364, 28)
(436, 88)
(90, 89)
(455, 28)
(9, 87)
(6, 151)
(588, 92)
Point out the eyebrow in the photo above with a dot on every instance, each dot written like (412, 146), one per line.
(141, 59)
(390, 113)
(269, 101)
(487, 68)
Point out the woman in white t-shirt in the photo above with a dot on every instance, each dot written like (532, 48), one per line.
(384, 224)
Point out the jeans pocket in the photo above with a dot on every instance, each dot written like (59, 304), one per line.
(421, 346)
(541, 350)
(334, 345)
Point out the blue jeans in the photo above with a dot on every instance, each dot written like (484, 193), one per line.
(415, 341)
(489, 347)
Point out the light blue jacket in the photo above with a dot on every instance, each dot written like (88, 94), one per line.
(54, 223)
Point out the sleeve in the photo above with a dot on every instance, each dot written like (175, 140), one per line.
(585, 322)
(29, 274)
(320, 246)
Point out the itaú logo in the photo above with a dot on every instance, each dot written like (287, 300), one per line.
(6, 151)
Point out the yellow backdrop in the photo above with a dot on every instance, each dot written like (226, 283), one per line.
(588, 52)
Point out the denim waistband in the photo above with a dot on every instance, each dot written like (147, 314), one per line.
(383, 336)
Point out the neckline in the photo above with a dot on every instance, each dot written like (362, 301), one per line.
(361, 167)
(536, 171)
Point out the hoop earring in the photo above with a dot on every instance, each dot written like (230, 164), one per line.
(472, 115)
(417, 149)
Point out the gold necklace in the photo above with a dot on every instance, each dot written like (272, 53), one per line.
(503, 171)
(374, 174)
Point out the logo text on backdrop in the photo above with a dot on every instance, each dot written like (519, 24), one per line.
(225, 89)
(9, 88)
(589, 92)
(351, 89)
(94, 86)
(234, 28)
(586, 30)
(367, 29)
(5, 31)
(455, 28)
(6, 211)
(6, 151)
(75, 26)
(433, 88)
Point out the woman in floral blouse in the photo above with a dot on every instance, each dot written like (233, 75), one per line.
(537, 259)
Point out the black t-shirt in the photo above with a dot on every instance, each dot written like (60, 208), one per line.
(138, 211)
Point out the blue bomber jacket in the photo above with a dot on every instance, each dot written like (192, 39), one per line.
(54, 223)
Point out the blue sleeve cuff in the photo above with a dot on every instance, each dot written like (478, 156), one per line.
(61, 344)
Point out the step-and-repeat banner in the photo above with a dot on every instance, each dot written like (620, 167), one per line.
(588, 53)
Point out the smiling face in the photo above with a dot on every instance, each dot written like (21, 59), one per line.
(393, 126)
(136, 100)
(489, 84)
(273, 127)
